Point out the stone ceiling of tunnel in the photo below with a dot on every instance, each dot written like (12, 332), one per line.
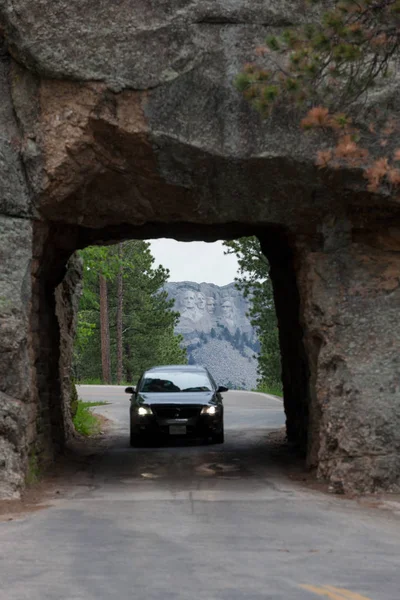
(129, 115)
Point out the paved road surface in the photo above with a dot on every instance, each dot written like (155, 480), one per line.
(198, 523)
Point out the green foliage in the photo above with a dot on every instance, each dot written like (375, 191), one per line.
(332, 60)
(85, 331)
(273, 43)
(242, 82)
(275, 389)
(91, 381)
(169, 350)
(255, 283)
(74, 398)
(270, 92)
(96, 403)
(148, 315)
(34, 472)
(85, 422)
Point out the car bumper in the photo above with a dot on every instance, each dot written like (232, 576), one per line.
(203, 426)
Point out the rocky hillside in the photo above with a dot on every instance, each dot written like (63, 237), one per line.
(216, 331)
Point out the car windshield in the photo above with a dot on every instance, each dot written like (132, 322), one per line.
(177, 381)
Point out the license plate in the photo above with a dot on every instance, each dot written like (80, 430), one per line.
(177, 429)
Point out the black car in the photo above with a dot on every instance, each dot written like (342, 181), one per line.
(181, 400)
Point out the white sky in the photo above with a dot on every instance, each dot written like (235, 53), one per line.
(195, 261)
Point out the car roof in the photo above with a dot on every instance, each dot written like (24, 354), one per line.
(187, 368)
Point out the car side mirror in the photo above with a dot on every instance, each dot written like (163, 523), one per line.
(130, 390)
(222, 389)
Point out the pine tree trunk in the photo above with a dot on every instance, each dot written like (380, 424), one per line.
(104, 331)
(128, 354)
(120, 303)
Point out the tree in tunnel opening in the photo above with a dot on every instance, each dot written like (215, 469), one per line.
(104, 330)
(254, 282)
(120, 308)
(136, 314)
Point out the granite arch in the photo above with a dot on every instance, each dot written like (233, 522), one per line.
(98, 146)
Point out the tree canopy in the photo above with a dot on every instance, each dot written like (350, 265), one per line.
(147, 317)
(326, 69)
(254, 282)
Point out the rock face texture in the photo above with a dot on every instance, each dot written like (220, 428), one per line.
(355, 317)
(216, 330)
(17, 411)
(67, 295)
(120, 120)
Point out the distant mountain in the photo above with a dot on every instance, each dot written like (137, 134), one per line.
(216, 330)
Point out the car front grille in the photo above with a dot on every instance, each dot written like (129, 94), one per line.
(164, 411)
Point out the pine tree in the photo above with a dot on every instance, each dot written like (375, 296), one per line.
(120, 306)
(325, 71)
(141, 318)
(105, 330)
(254, 283)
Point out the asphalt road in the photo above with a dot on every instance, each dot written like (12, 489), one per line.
(196, 522)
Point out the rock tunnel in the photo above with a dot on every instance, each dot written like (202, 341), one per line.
(124, 123)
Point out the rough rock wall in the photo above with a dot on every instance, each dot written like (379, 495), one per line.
(351, 294)
(132, 43)
(17, 411)
(282, 257)
(67, 296)
(122, 121)
(52, 283)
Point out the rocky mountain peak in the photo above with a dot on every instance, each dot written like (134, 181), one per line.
(216, 330)
(204, 306)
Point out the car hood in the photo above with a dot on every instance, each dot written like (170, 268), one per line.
(178, 398)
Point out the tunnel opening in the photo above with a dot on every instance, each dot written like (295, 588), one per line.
(56, 284)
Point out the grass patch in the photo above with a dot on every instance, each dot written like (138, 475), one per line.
(90, 381)
(33, 473)
(98, 381)
(85, 422)
(273, 388)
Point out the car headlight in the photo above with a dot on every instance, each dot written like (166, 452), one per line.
(144, 410)
(209, 410)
